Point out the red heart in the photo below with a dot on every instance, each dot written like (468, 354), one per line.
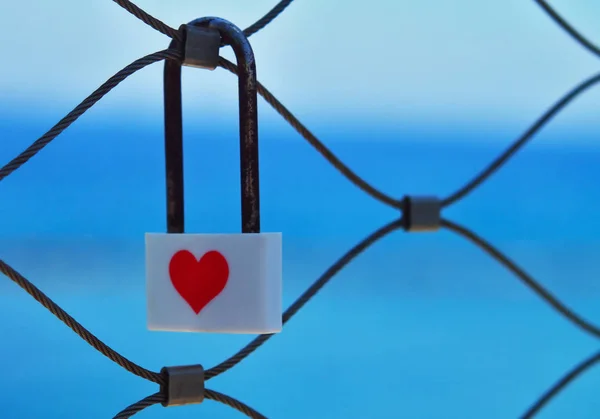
(198, 281)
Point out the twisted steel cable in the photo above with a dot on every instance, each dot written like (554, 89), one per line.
(561, 385)
(503, 158)
(74, 325)
(342, 262)
(174, 34)
(90, 101)
(583, 41)
(517, 145)
(137, 407)
(150, 20)
(523, 276)
(156, 398)
(268, 18)
(231, 402)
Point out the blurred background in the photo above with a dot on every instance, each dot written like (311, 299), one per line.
(417, 98)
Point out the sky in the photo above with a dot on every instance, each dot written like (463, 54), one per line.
(461, 63)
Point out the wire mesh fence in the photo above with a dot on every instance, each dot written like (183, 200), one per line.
(412, 209)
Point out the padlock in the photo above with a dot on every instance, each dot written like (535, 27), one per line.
(222, 283)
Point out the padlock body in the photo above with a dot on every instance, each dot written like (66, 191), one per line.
(220, 283)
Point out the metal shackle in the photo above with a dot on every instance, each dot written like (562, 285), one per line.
(202, 44)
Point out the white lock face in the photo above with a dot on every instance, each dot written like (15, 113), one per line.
(221, 283)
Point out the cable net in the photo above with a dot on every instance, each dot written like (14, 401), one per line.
(398, 224)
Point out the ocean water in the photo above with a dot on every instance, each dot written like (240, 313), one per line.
(419, 326)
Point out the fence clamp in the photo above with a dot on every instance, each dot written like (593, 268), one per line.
(201, 47)
(422, 213)
(184, 385)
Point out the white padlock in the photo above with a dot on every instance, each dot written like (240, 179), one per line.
(223, 283)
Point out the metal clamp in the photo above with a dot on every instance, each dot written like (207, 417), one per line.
(201, 47)
(184, 385)
(422, 213)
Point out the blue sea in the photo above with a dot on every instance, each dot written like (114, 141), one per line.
(419, 326)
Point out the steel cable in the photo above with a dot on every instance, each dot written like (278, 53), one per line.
(268, 18)
(150, 20)
(583, 41)
(344, 260)
(524, 277)
(74, 325)
(231, 402)
(174, 34)
(517, 145)
(91, 100)
(213, 395)
(561, 385)
(137, 407)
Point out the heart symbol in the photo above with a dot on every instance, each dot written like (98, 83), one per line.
(198, 281)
